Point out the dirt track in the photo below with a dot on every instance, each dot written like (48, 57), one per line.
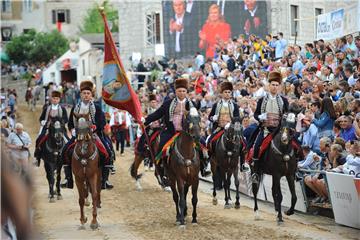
(150, 214)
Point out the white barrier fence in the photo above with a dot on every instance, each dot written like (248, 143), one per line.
(345, 198)
(344, 191)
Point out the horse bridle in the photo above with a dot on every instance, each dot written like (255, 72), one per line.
(187, 162)
(58, 135)
(236, 139)
(285, 156)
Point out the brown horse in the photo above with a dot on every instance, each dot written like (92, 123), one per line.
(183, 167)
(85, 166)
(139, 158)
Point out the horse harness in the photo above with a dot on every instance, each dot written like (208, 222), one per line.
(84, 161)
(285, 157)
(184, 161)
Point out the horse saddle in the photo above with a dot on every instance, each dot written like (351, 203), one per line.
(264, 145)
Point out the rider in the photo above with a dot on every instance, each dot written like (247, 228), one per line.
(97, 117)
(223, 111)
(172, 111)
(152, 128)
(52, 110)
(268, 112)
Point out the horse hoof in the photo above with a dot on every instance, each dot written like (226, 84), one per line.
(257, 215)
(182, 226)
(59, 197)
(87, 203)
(52, 200)
(194, 223)
(138, 186)
(227, 206)
(237, 205)
(280, 221)
(177, 222)
(167, 189)
(289, 212)
(82, 227)
(94, 226)
(215, 201)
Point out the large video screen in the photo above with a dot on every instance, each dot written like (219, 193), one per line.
(191, 26)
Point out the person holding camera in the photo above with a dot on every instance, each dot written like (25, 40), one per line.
(18, 144)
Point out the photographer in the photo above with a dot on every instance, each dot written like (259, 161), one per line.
(18, 144)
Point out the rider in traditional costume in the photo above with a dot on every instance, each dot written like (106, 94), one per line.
(50, 111)
(223, 111)
(269, 111)
(152, 130)
(172, 112)
(97, 118)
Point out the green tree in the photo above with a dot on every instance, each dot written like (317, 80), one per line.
(36, 47)
(93, 22)
(19, 47)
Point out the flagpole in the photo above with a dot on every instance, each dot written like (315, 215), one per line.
(118, 61)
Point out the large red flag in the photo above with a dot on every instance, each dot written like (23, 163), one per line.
(117, 91)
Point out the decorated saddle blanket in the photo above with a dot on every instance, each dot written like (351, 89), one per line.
(42, 140)
(99, 145)
(264, 145)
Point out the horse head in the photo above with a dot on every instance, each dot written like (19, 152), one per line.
(56, 132)
(233, 134)
(287, 128)
(191, 125)
(84, 127)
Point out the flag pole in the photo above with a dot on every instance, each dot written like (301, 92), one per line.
(117, 59)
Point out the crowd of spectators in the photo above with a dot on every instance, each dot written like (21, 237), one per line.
(320, 78)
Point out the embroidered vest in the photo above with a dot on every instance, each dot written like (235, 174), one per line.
(274, 109)
(178, 115)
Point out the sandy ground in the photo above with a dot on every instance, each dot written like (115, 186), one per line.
(150, 214)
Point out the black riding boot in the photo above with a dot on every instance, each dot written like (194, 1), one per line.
(69, 183)
(37, 155)
(105, 179)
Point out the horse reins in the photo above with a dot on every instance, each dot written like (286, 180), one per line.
(187, 162)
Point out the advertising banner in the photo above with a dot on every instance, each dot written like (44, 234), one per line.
(330, 25)
(191, 26)
(344, 198)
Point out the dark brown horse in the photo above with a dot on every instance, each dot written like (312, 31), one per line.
(279, 160)
(183, 167)
(85, 166)
(226, 158)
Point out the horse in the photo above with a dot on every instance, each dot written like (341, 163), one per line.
(227, 158)
(52, 160)
(279, 160)
(85, 167)
(183, 166)
(35, 96)
(139, 158)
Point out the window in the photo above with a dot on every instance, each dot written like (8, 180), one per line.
(27, 5)
(61, 15)
(318, 11)
(294, 14)
(6, 6)
(153, 30)
(6, 33)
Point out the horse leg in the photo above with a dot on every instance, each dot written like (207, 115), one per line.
(224, 179)
(134, 171)
(255, 188)
(176, 201)
(180, 187)
(186, 190)
(237, 183)
(291, 182)
(58, 180)
(277, 196)
(194, 200)
(94, 182)
(99, 188)
(82, 193)
(50, 177)
(214, 176)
